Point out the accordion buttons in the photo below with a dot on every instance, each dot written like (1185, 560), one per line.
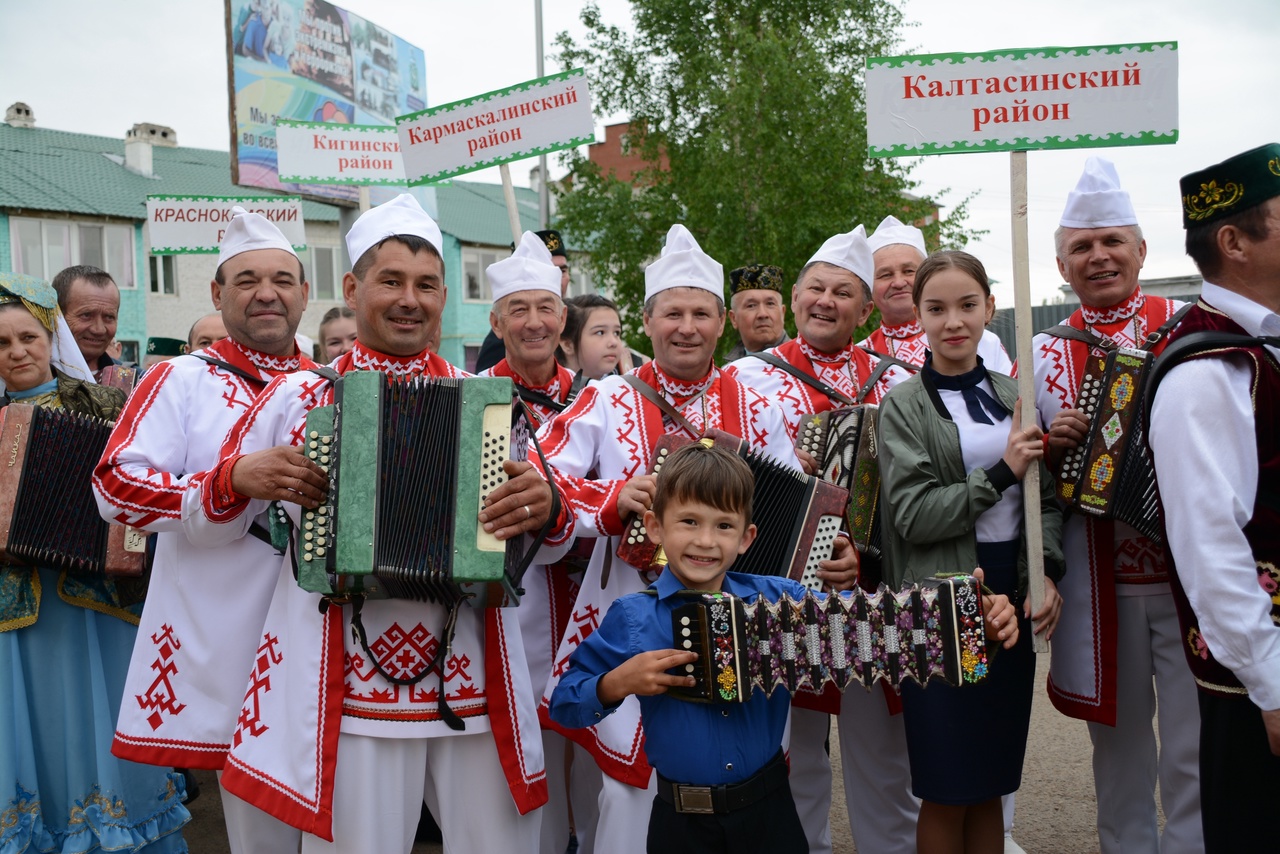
(320, 551)
(312, 454)
(315, 434)
(307, 535)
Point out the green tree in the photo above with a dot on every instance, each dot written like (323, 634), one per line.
(749, 116)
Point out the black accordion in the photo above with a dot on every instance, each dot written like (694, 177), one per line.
(797, 517)
(48, 515)
(931, 631)
(410, 462)
(1111, 475)
(843, 441)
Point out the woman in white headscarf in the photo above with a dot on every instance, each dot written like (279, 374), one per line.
(65, 643)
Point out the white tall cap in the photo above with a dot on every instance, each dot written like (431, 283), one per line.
(892, 230)
(528, 269)
(1097, 201)
(401, 215)
(683, 264)
(851, 252)
(249, 231)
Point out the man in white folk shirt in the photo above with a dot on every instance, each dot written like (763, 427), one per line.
(822, 369)
(344, 738)
(601, 449)
(1119, 628)
(1217, 457)
(201, 628)
(898, 250)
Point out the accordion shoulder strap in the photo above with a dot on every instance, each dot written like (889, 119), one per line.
(885, 363)
(809, 379)
(1084, 336)
(1154, 338)
(227, 366)
(650, 394)
(327, 372)
(528, 395)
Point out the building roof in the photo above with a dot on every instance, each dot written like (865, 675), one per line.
(53, 170)
(477, 213)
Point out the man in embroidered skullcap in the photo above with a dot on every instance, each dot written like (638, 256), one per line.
(602, 448)
(201, 629)
(756, 309)
(897, 251)
(822, 369)
(1118, 625)
(364, 747)
(1217, 457)
(161, 350)
(492, 350)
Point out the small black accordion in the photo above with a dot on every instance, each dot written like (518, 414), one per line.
(1111, 475)
(931, 631)
(48, 515)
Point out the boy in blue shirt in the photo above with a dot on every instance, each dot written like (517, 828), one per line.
(722, 780)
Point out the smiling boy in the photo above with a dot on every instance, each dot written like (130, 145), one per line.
(701, 516)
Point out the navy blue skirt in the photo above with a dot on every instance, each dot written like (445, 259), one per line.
(966, 744)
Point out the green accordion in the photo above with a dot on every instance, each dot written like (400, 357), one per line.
(410, 462)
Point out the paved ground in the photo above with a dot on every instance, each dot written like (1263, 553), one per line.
(1056, 806)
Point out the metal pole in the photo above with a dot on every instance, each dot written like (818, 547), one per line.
(1034, 534)
(544, 191)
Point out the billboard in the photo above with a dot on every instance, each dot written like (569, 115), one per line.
(311, 61)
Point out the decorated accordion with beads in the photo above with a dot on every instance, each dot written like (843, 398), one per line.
(843, 441)
(1110, 475)
(48, 515)
(797, 517)
(934, 630)
(410, 462)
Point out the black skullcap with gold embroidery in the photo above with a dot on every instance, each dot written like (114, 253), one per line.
(166, 347)
(763, 277)
(555, 243)
(1234, 185)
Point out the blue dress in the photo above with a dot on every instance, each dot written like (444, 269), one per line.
(62, 673)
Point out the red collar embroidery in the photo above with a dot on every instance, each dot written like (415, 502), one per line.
(1123, 310)
(680, 389)
(815, 355)
(364, 359)
(274, 364)
(911, 329)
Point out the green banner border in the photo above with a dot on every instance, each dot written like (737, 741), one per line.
(380, 130)
(297, 123)
(1026, 143)
(435, 177)
(1017, 53)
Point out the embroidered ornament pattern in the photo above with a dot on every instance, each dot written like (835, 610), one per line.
(160, 695)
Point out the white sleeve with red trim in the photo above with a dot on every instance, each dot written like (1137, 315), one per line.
(141, 478)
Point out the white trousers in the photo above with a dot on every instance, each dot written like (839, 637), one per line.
(811, 776)
(581, 790)
(877, 774)
(381, 784)
(252, 831)
(1125, 761)
(623, 827)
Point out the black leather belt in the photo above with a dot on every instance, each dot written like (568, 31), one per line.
(707, 800)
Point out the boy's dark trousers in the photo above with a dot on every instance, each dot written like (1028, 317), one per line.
(757, 814)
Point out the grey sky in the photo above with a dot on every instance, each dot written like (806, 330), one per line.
(95, 67)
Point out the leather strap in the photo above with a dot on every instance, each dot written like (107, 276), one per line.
(651, 394)
(1093, 340)
(227, 366)
(807, 378)
(710, 800)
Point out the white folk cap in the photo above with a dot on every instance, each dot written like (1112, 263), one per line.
(893, 230)
(1097, 201)
(528, 269)
(249, 231)
(851, 252)
(683, 264)
(401, 215)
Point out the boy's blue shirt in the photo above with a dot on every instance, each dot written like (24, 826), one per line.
(699, 743)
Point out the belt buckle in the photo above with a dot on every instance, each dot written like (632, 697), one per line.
(694, 799)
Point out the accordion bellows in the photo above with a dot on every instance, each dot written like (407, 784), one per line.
(934, 630)
(410, 462)
(48, 515)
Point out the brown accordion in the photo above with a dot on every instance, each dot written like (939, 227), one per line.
(934, 630)
(1110, 475)
(843, 441)
(797, 517)
(48, 515)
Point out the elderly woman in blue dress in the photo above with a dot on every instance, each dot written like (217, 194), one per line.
(65, 642)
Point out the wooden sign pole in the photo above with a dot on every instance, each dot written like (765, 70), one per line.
(509, 193)
(1034, 533)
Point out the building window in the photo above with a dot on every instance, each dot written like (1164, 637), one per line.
(164, 274)
(580, 281)
(475, 284)
(44, 247)
(470, 355)
(130, 352)
(326, 278)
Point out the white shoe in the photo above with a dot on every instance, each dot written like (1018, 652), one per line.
(1011, 847)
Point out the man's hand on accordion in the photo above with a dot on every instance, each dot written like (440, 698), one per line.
(644, 675)
(840, 571)
(519, 506)
(1070, 427)
(280, 474)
